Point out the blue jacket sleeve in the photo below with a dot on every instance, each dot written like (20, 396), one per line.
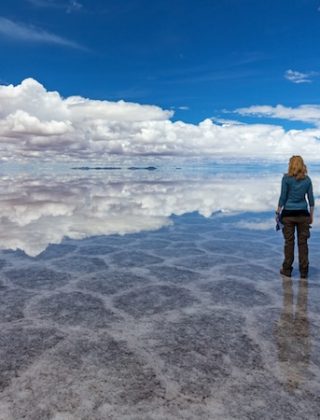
(310, 195)
(283, 194)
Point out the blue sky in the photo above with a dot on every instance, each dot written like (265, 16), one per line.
(213, 79)
(203, 56)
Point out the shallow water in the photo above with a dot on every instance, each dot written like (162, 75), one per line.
(153, 296)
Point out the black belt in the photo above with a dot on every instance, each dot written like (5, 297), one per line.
(288, 213)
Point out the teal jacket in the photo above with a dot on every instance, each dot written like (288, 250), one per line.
(294, 192)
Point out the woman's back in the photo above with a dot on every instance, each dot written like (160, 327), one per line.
(294, 191)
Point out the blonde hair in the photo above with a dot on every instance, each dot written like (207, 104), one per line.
(297, 168)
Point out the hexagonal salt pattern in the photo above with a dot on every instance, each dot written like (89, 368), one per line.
(37, 277)
(151, 300)
(112, 282)
(189, 322)
(20, 346)
(73, 308)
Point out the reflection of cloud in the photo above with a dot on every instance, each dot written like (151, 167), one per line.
(266, 224)
(41, 124)
(39, 211)
(256, 225)
(25, 33)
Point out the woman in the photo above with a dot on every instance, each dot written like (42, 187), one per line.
(295, 215)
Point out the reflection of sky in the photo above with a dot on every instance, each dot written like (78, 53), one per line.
(38, 210)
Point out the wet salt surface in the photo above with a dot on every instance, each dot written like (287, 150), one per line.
(191, 321)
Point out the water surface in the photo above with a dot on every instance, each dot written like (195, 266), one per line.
(153, 295)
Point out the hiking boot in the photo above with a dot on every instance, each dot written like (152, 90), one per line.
(285, 272)
(303, 271)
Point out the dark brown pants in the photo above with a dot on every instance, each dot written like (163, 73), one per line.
(291, 223)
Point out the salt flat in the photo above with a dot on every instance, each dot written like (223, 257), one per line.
(190, 320)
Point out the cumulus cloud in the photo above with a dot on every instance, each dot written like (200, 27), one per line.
(25, 33)
(303, 113)
(23, 123)
(298, 77)
(36, 211)
(38, 123)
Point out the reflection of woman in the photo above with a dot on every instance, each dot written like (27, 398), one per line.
(292, 334)
(296, 185)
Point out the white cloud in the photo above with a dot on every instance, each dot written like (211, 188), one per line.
(25, 33)
(37, 123)
(298, 77)
(303, 113)
(21, 123)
